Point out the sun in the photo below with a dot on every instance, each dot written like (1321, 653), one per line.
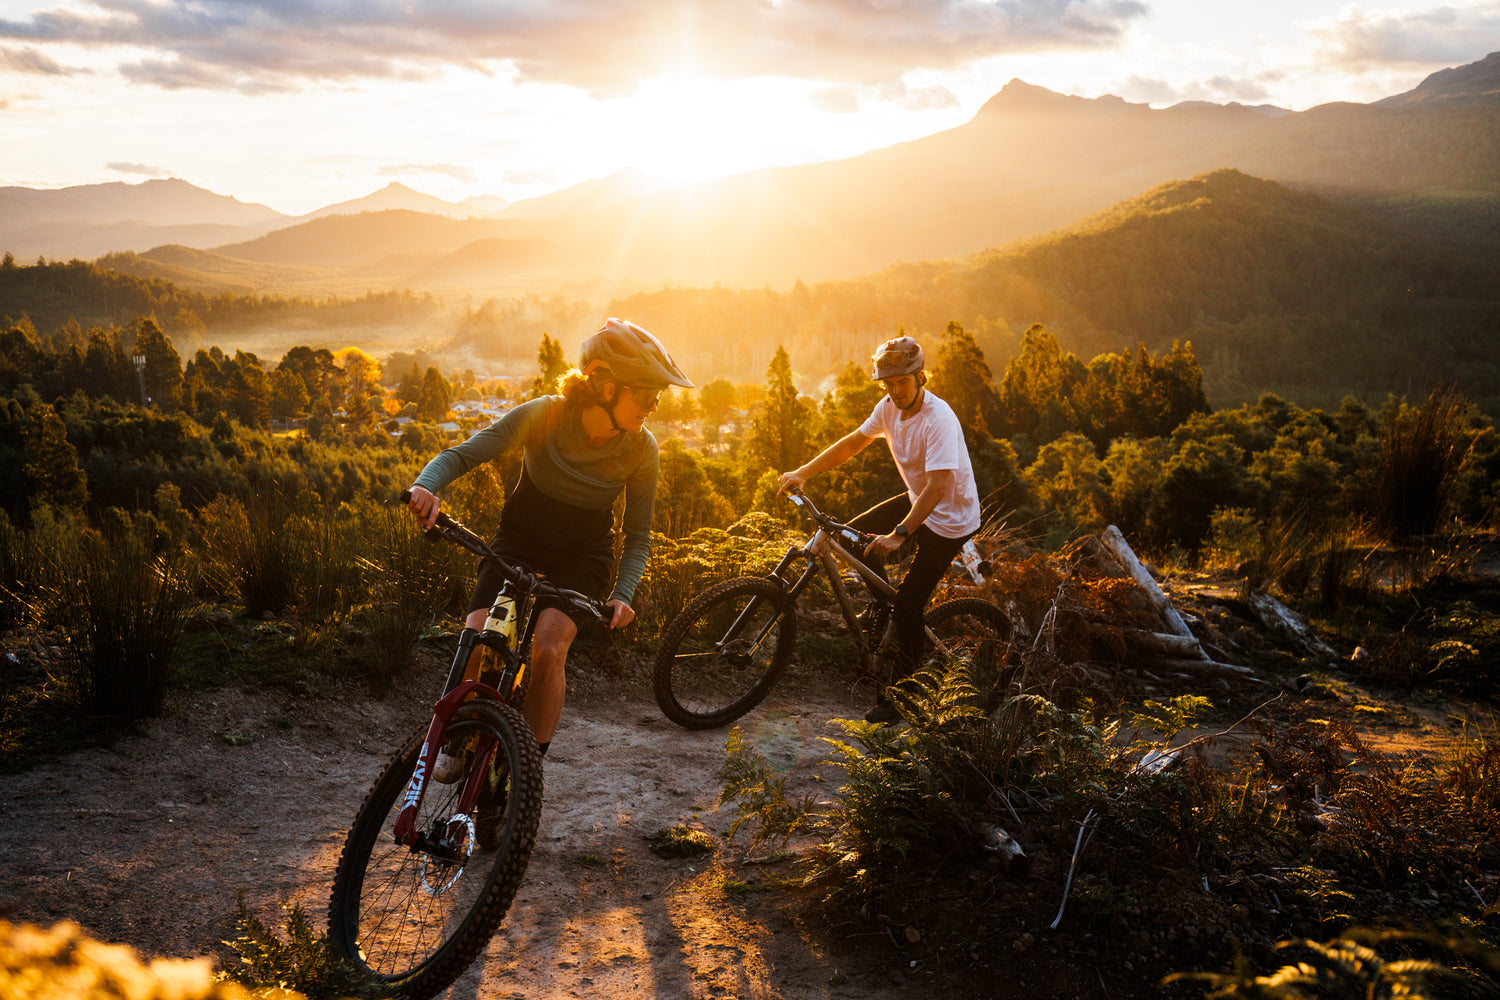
(688, 128)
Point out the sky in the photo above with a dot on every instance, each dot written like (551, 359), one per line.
(297, 105)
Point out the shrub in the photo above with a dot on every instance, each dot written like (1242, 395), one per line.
(255, 550)
(123, 604)
(64, 963)
(1422, 453)
(411, 583)
(1351, 966)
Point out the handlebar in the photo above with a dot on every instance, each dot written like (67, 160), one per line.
(450, 529)
(849, 535)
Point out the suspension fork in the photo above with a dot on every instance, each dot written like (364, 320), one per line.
(405, 831)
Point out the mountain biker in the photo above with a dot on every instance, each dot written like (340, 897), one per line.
(582, 448)
(940, 508)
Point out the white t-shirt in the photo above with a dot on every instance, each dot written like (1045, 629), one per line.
(931, 440)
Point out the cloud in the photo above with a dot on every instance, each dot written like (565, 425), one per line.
(456, 171)
(30, 60)
(1362, 40)
(1216, 89)
(138, 169)
(602, 45)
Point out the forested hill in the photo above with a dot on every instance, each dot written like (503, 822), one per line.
(1278, 290)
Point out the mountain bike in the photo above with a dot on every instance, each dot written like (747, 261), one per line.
(429, 868)
(726, 649)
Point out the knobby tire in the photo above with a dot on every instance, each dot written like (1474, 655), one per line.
(705, 676)
(415, 923)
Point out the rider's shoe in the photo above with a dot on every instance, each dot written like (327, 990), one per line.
(882, 713)
(448, 769)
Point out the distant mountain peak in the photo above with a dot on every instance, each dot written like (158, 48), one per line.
(1018, 95)
(1477, 83)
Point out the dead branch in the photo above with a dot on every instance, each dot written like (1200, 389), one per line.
(1115, 543)
(1290, 626)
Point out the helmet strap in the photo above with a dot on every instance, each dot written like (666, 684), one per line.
(608, 406)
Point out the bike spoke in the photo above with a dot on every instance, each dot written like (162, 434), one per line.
(416, 919)
(722, 653)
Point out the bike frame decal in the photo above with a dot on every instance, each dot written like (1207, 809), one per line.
(405, 831)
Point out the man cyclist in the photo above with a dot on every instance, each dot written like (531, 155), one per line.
(581, 450)
(940, 508)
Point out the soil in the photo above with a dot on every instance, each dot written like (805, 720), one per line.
(148, 842)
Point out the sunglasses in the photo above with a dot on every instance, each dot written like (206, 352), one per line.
(645, 396)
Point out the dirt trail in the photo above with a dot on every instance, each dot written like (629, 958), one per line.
(148, 842)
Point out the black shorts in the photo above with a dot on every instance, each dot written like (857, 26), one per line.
(573, 547)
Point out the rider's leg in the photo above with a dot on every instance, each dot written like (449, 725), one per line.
(934, 555)
(549, 655)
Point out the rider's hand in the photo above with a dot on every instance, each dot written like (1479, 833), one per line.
(884, 545)
(790, 481)
(622, 615)
(424, 506)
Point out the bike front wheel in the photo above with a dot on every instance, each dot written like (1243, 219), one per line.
(414, 920)
(976, 632)
(722, 654)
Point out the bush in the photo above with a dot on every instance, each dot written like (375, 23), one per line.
(64, 963)
(411, 583)
(1422, 453)
(255, 550)
(123, 604)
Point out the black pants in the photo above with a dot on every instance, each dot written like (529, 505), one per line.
(934, 555)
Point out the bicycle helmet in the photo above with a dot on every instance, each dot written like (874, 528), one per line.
(897, 356)
(632, 356)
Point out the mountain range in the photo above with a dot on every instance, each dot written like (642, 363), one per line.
(1029, 161)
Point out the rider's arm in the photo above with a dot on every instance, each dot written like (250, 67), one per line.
(933, 490)
(938, 483)
(838, 453)
(483, 446)
(640, 504)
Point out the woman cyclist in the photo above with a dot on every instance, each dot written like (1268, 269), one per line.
(581, 450)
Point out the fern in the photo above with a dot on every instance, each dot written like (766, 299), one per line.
(1351, 967)
(759, 796)
(307, 961)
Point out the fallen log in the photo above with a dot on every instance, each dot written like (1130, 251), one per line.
(1211, 667)
(1116, 545)
(1287, 624)
(1150, 643)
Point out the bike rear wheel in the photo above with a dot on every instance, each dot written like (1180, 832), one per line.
(722, 654)
(415, 920)
(977, 632)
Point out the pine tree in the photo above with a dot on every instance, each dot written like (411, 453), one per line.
(781, 433)
(52, 462)
(553, 364)
(435, 397)
(162, 374)
(965, 380)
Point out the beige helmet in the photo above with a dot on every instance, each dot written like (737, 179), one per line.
(897, 356)
(632, 355)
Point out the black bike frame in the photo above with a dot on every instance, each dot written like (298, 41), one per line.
(823, 550)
